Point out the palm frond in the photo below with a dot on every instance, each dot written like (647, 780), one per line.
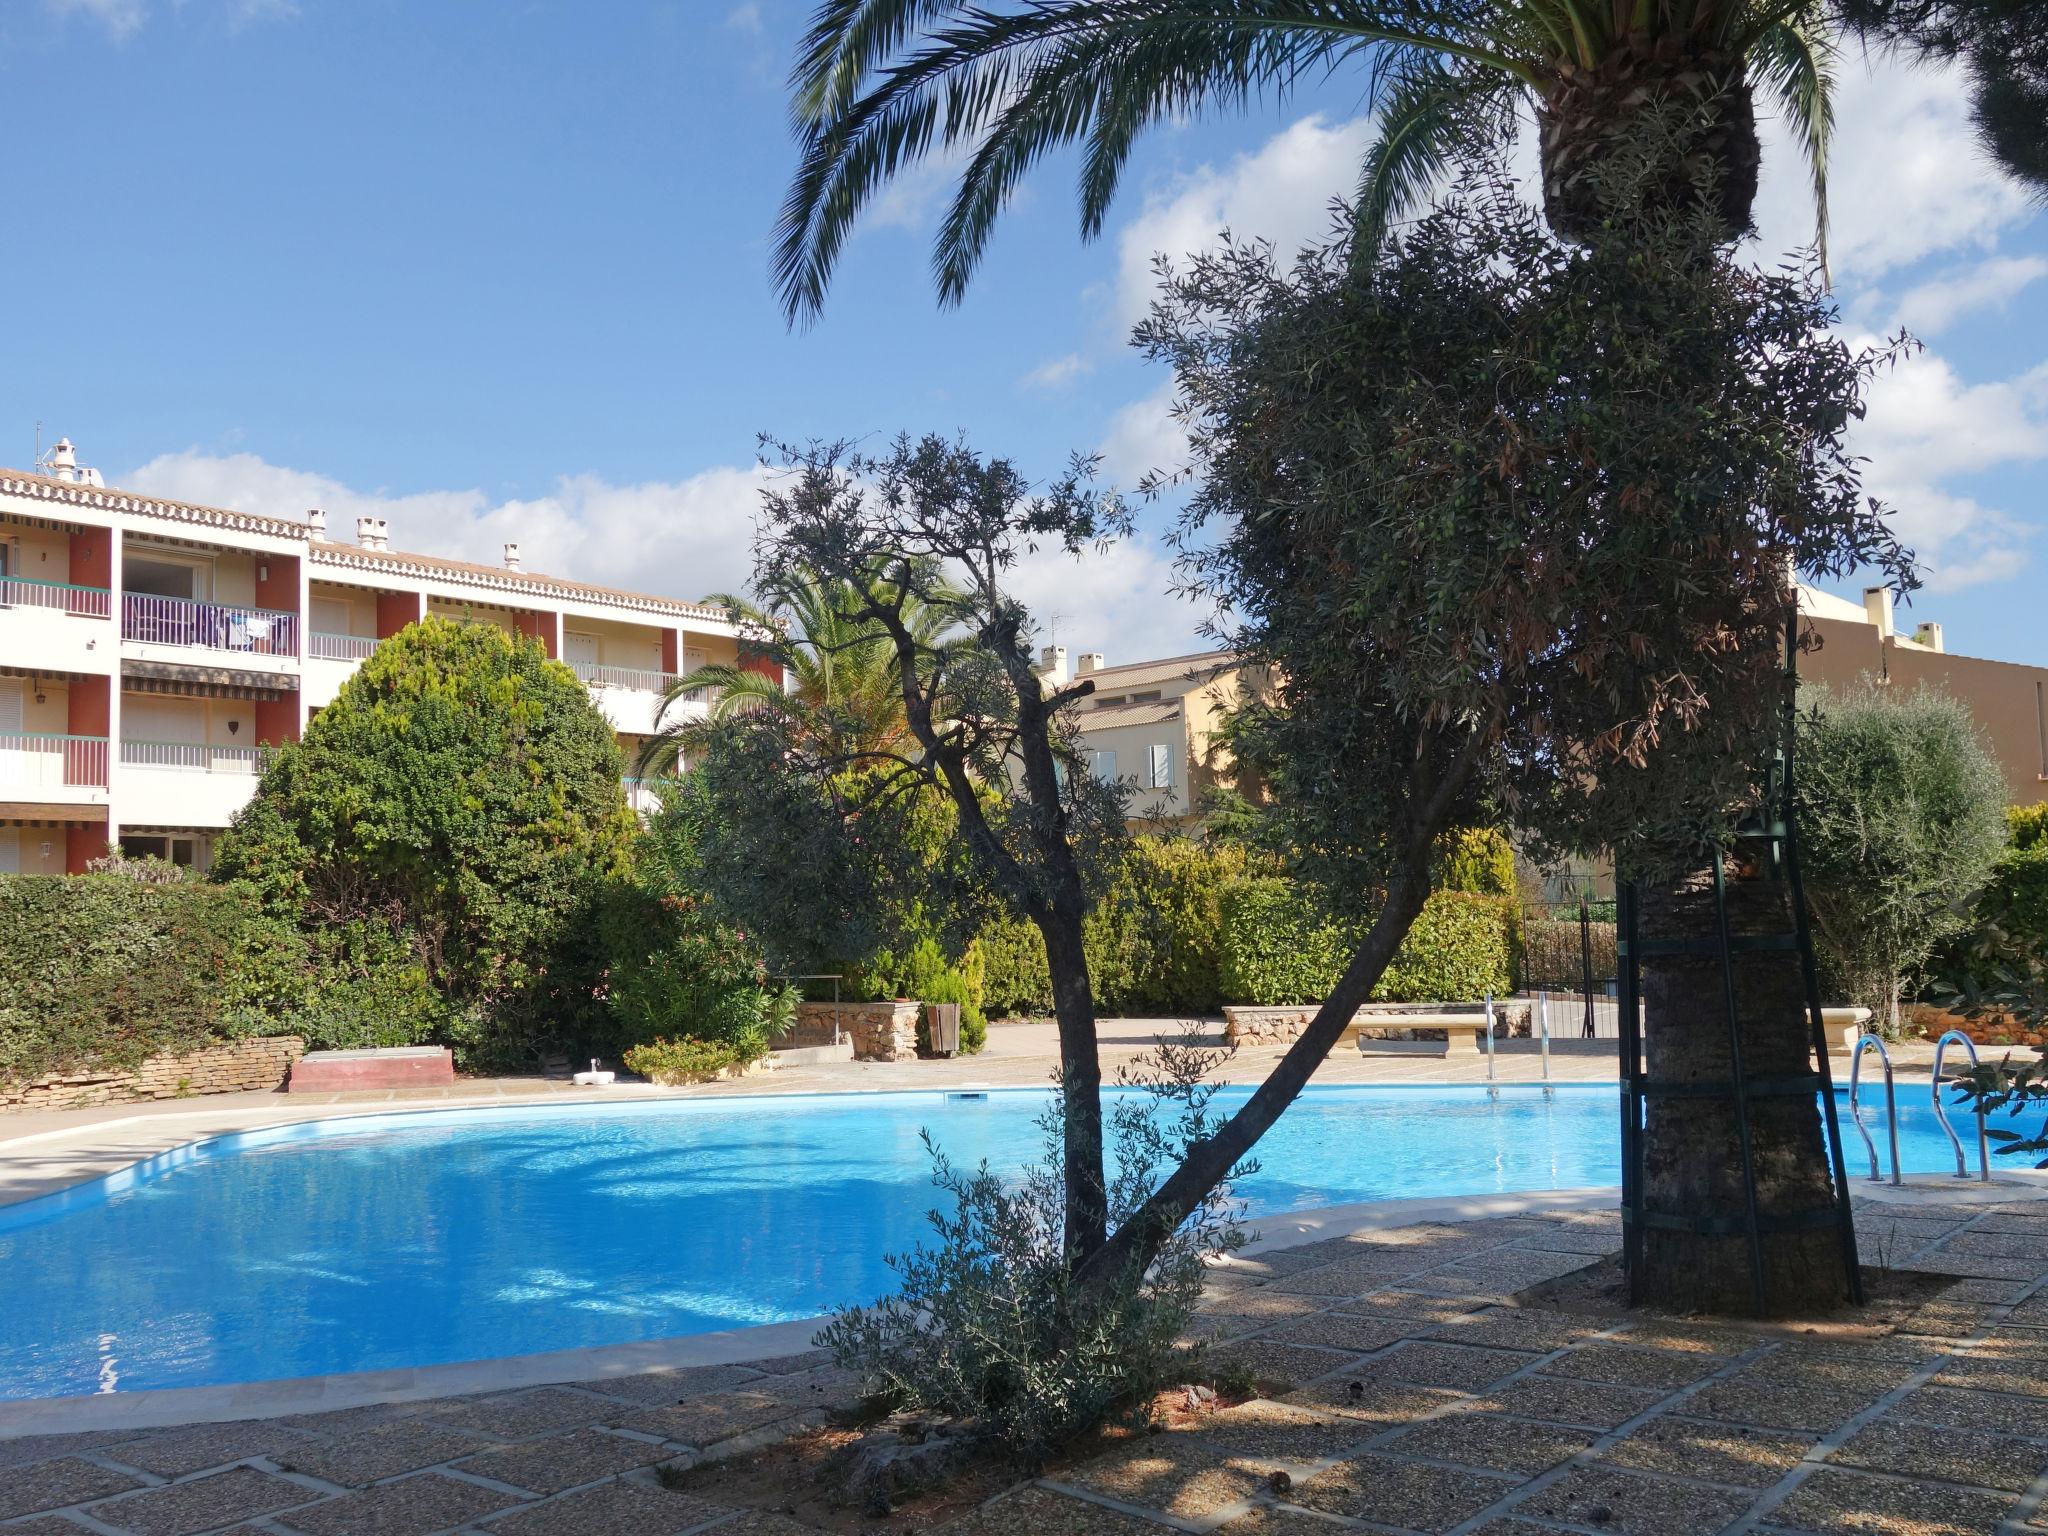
(1796, 62)
(1423, 114)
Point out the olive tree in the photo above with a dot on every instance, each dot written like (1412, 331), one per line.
(1901, 810)
(1514, 526)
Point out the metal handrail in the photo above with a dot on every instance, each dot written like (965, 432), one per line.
(80, 602)
(1492, 1088)
(1891, 1104)
(201, 756)
(332, 647)
(76, 762)
(215, 626)
(647, 681)
(1983, 1142)
(1543, 1032)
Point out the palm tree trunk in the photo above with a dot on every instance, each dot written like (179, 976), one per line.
(1693, 1163)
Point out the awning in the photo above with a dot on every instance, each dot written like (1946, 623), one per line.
(39, 814)
(214, 682)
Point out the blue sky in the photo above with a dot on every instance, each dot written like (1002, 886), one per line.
(499, 271)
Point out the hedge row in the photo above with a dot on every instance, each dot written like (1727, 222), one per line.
(1278, 947)
(1185, 928)
(104, 971)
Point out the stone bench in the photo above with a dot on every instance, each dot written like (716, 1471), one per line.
(1393, 1029)
(405, 1066)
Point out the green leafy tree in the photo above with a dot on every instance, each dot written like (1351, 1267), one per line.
(1511, 524)
(881, 85)
(842, 675)
(462, 792)
(1901, 816)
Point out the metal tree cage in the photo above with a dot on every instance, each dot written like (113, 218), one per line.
(1774, 830)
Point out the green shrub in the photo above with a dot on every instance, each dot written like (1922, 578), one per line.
(924, 973)
(464, 788)
(1279, 946)
(1553, 954)
(104, 970)
(674, 1062)
(1016, 981)
(676, 969)
(1478, 860)
(987, 1324)
(369, 988)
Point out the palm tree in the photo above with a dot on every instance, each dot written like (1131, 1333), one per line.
(883, 84)
(842, 673)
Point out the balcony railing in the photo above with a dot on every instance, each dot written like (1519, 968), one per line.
(642, 795)
(622, 677)
(57, 597)
(37, 760)
(191, 757)
(215, 626)
(339, 647)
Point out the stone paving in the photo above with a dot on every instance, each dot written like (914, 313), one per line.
(1405, 1391)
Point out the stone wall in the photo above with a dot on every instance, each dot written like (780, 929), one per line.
(879, 1031)
(1418, 1021)
(237, 1066)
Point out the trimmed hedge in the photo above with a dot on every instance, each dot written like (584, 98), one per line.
(1553, 954)
(104, 971)
(1278, 947)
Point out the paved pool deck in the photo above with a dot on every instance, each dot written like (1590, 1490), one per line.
(46, 1150)
(1404, 1390)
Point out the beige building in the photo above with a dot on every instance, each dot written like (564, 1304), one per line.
(150, 650)
(1156, 724)
(2009, 699)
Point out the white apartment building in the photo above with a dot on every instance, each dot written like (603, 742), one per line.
(150, 650)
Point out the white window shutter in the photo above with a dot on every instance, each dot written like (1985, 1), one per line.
(10, 707)
(1161, 766)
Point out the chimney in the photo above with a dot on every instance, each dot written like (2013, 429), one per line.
(1052, 665)
(316, 523)
(1929, 635)
(1091, 661)
(373, 532)
(1877, 608)
(64, 460)
(511, 557)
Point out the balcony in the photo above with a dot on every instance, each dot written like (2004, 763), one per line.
(186, 784)
(55, 625)
(643, 795)
(57, 770)
(630, 697)
(266, 639)
(330, 659)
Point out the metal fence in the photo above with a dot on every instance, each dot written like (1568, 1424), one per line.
(42, 760)
(191, 756)
(1569, 969)
(216, 626)
(57, 596)
(339, 647)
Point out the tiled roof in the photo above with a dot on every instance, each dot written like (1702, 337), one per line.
(529, 583)
(1196, 667)
(1152, 712)
(14, 482)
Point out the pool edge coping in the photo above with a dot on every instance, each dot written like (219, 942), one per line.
(168, 1407)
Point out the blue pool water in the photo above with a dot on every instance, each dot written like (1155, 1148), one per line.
(415, 1239)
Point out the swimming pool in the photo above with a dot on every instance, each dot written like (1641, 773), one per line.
(416, 1239)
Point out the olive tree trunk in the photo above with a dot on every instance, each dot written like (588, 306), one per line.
(1692, 1150)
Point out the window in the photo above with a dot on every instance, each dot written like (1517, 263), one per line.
(1108, 699)
(1102, 764)
(1150, 696)
(1159, 766)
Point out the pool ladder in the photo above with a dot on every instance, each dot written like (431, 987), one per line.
(1983, 1143)
(1868, 1042)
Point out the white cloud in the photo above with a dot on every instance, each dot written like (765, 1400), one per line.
(1926, 425)
(121, 18)
(1115, 601)
(1906, 179)
(1280, 192)
(1055, 373)
(1935, 304)
(1144, 437)
(682, 538)
(745, 17)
